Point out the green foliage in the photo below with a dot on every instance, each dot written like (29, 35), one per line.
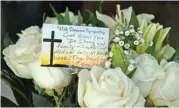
(40, 101)
(118, 59)
(7, 41)
(176, 55)
(100, 7)
(67, 17)
(134, 21)
(43, 17)
(5, 102)
(80, 18)
(60, 18)
(93, 20)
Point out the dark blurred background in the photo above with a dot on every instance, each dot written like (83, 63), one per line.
(18, 15)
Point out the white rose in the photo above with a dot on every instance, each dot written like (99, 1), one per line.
(49, 77)
(23, 59)
(147, 70)
(165, 91)
(107, 88)
(25, 50)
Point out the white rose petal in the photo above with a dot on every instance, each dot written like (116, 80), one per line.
(165, 90)
(107, 88)
(25, 50)
(147, 70)
(49, 77)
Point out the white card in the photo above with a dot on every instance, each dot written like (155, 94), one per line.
(77, 46)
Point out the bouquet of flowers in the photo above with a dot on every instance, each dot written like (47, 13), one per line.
(141, 68)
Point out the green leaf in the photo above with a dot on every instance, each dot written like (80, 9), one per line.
(100, 7)
(5, 102)
(131, 73)
(118, 59)
(161, 37)
(7, 41)
(148, 37)
(44, 17)
(80, 18)
(67, 17)
(134, 21)
(40, 101)
(176, 56)
(91, 18)
(59, 17)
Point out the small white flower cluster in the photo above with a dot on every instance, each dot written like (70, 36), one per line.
(131, 66)
(108, 62)
(128, 38)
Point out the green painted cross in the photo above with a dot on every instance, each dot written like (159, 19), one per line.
(52, 40)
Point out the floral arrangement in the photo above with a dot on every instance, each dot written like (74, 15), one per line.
(141, 68)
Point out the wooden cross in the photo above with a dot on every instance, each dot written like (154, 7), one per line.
(52, 40)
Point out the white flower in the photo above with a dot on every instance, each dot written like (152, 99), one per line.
(23, 59)
(116, 39)
(136, 42)
(140, 32)
(121, 32)
(127, 33)
(25, 50)
(122, 37)
(137, 36)
(127, 46)
(110, 54)
(90, 25)
(142, 41)
(107, 88)
(132, 30)
(107, 64)
(117, 32)
(165, 91)
(147, 70)
(131, 61)
(131, 26)
(151, 43)
(126, 52)
(121, 43)
(49, 77)
(131, 68)
(83, 24)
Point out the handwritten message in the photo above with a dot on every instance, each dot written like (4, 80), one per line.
(79, 46)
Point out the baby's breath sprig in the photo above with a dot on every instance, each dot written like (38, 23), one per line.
(109, 60)
(128, 38)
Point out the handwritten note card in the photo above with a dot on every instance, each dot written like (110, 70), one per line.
(77, 46)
